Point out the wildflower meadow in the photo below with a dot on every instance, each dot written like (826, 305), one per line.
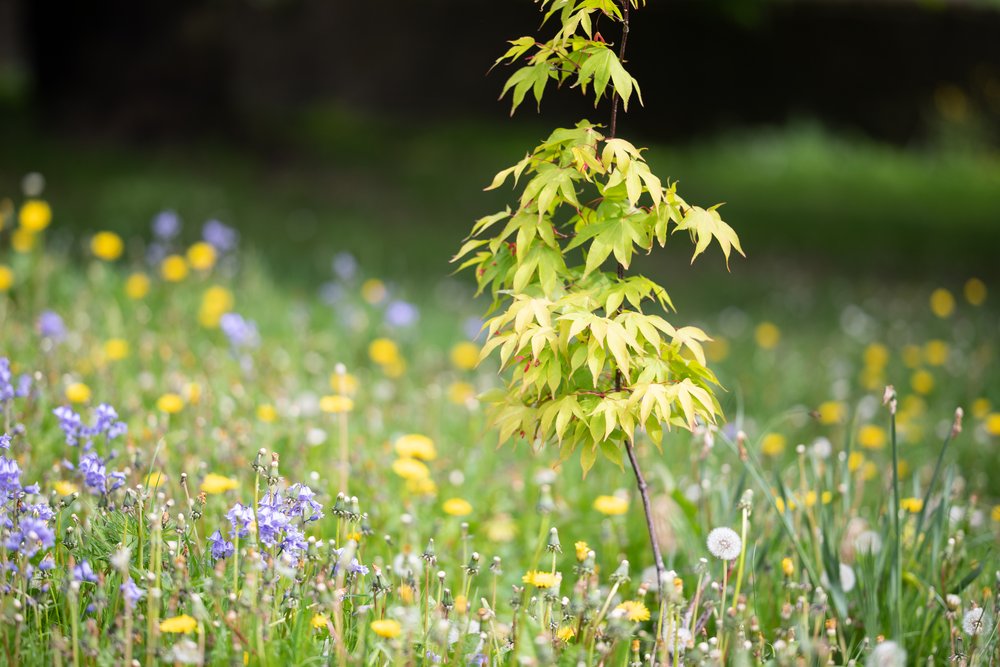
(538, 461)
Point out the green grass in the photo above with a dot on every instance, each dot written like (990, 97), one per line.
(803, 356)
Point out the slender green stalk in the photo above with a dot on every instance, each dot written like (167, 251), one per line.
(897, 569)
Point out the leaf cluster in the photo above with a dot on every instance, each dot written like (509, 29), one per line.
(588, 358)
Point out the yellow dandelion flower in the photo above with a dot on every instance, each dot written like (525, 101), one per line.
(461, 604)
(107, 246)
(565, 633)
(116, 349)
(22, 240)
(540, 579)
(343, 383)
(35, 215)
(215, 302)
(201, 256)
(465, 355)
(975, 291)
(992, 423)
(772, 444)
(936, 352)
(876, 355)
(335, 404)
(980, 408)
(942, 302)
(266, 413)
(501, 529)
(406, 593)
(634, 610)
(582, 549)
(137, 286)
(178, 624)
(870, 471)
(6, 278)
(611, 505)
(855, 461)
(373, 291)
(77, 392)
(457, 507)
(64, 488)
(911, 505)
(767, 335)
(461, 393)
(416, 446)
(831, 412)
(410, 469)
(174, 269)
(170, 403)
(995, 513)
(319, 621)
(788, 567)
(872, 437)
(155, 479)
(386, 628)
(214, 484)
(383, 351)
(922, 382)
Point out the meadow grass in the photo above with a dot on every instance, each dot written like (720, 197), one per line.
(200, 522)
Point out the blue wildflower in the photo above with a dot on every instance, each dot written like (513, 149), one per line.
(83, 572)
(50, 325)
(345, 266)
(131, 592)
(223, 237)
(7, 391)
(241, 332)
(401, 314)
(221, 547)
(166, 225)
(4, 441)
(241, 517)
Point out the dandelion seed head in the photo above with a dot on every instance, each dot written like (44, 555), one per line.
(724, 543)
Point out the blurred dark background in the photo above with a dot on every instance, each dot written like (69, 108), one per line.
(842, 133)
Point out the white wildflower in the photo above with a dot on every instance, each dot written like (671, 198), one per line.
(887, 654)
(724, 543)
(974, 621)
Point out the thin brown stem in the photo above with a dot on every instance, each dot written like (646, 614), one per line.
(621, 58)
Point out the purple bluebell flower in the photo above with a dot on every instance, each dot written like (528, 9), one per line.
(221, 547)
(478, 660)
(10, 477)
(401, 314)
(106, 422)
(31, 535)
(345, 266)
(50, 325)
(4, 441)
(303, 504)
(241, 517)
(223, 237)
(71, 424)
(23, 385)
(131, 592)
(95, 475)
(166, 225)
(241, 332)
(83, 572)
(7, 391)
